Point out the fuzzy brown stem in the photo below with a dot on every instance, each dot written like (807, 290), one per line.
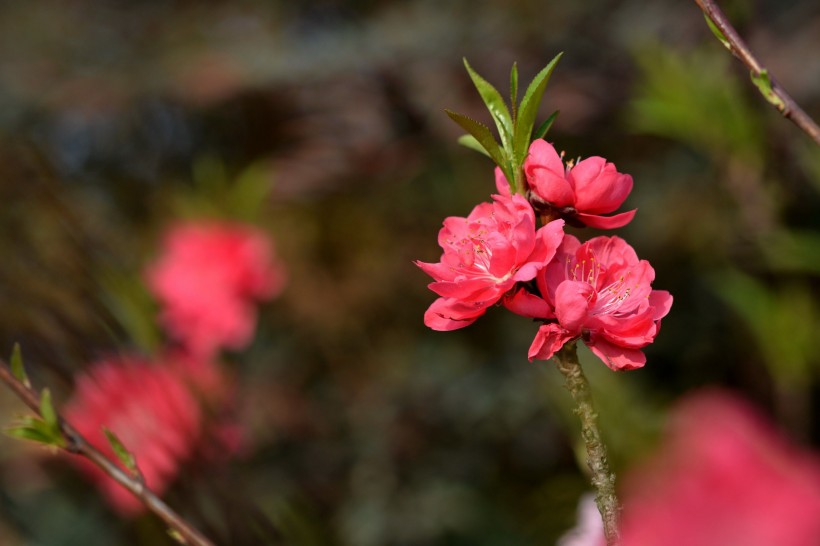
(787, 106)
(602, 477)
(76, 444)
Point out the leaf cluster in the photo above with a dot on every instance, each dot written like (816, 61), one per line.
(514, 123)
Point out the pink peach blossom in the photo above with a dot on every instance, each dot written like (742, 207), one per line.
(579, 193)
(485, 255)
(600, 292)
(723, 476)
(151, 411)
(206, 280)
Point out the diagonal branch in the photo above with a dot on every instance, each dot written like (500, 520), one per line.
(75, 443)
(767, 85)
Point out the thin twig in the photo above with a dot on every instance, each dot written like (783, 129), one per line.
(773, 93)
(602, 477)
(76, 444)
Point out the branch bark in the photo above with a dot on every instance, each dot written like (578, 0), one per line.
(777, 96)
(602, 477)
(76, 444)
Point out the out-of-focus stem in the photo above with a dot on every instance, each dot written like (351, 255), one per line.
(786, 105)
(76, 444)
(602, 477)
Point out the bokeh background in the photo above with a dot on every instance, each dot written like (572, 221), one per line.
(322, 123)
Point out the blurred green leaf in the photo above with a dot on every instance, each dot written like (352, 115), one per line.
(717, 32)
(528, 110)
(764, 85)
(123, 454)
(47, 410)
(694, 99)
(37, 430)
(469, 141)
(783, 320)
(17, 368)
(794, 251)
(128, 300)
(495, 104)
(544, 127)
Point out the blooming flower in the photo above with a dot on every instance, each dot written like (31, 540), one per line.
(485, 254)
(206, 280)
(150, 410)
(723, 476)
(579, 193)
(600, 292)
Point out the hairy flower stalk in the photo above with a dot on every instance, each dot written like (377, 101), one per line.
(602, 477)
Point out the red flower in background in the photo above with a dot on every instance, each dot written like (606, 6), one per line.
(579, 193)
(151, 411)
(600, 292)
(484, 256)
(723, 477)
(206, 280)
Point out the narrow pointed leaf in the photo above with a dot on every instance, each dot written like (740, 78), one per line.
(122, 453)
(17, 368)
(764, 85)
(514, 93)
(529, 109)
(544, 127)
(717, 32)
(30, 433)
(469, 141)
(482, 134)
(495, 104)
(47, 410)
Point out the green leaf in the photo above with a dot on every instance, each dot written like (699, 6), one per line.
(31, 433)
(514, 92)
(544, 127)
(528, 110)
(37, 430)
(495, 104)
(764, 84)
(469, 141)
(47, 410)
(17, 368)
(717, 32)
(122, 453)
(482, 134)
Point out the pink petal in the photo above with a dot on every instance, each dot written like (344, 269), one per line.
(545, 174)
(572, 304)
(599, 187)
(617, 358)
(528, 305)
(549, 339)
(501, 183)
(447, 314)
(661, 302)
(547, 240)
(607, 222)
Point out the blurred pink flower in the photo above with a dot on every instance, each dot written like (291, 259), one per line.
(579, 193)
(206, 279)
(484, 256)
(600, 292)
(589, 531)
(723, 477)
(150, 410)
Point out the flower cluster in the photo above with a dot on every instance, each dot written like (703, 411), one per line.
(598, 291)
(165, 408)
